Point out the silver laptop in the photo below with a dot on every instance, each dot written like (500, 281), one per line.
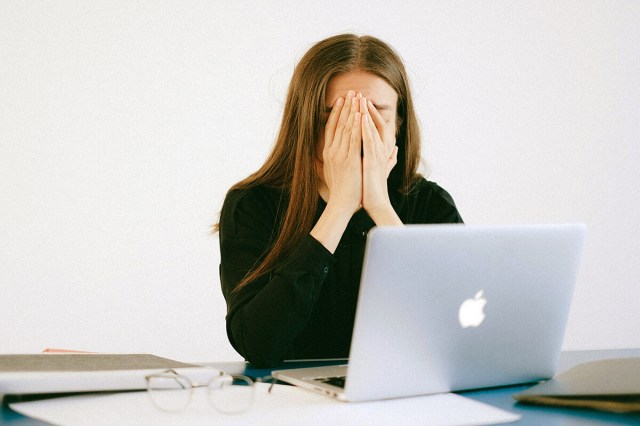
(453, 307)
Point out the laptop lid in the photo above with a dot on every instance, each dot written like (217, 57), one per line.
(452, 307)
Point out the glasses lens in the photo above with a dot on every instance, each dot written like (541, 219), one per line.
(231, 394)
(169, 392)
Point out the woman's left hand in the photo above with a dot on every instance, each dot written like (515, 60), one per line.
(380, 155)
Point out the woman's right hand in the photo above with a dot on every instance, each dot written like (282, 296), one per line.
(342, 161)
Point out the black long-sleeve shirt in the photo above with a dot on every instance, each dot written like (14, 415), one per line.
(305, 308)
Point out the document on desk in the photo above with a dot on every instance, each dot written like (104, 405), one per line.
(285, 405)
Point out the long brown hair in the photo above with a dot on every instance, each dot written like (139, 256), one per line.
(291, 164)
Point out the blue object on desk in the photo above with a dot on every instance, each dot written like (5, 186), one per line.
(501, 397)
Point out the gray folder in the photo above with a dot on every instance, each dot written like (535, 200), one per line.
(56, 373)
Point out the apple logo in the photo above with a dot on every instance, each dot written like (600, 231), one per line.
(471, 313)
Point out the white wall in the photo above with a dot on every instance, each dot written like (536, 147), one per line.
(123, 123)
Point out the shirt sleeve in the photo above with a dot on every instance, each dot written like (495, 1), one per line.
(447, 212)
(265, 316)
(432, 204)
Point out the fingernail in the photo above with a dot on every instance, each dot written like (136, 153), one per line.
(339, 101)
(350, 94)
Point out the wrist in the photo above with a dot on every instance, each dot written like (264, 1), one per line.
(341, 207)
(384, 215)
(331, 225)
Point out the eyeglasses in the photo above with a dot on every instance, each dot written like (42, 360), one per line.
(229, 394)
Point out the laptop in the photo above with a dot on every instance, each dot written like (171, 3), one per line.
(447, 308)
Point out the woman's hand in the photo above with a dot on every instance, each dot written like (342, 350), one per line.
(355, 166)
(380, 155)
(342, 165)
(341, 171)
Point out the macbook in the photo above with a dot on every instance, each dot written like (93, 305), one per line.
(454, 307)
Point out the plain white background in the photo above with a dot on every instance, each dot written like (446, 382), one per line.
(123, 123)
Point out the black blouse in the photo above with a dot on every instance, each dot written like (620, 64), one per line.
(305, 308)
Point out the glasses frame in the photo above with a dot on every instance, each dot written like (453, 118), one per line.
(181, 379)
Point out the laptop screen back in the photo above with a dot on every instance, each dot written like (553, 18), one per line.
(452, 307)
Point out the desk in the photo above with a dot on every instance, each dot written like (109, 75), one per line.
(498, 397)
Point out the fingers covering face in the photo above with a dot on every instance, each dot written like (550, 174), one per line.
(370, 133)
(356, 135)
(377, 117)
(332, 122)
(381, 129)
(354, 116)
(340, 120)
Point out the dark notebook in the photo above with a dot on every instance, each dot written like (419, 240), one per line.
(608, 385)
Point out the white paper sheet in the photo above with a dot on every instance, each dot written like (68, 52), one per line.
(285, 405)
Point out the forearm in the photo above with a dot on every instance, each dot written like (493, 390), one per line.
(331, 225)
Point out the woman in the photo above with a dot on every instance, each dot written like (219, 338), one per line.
(292, 235)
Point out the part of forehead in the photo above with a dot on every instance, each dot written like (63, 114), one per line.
(370, 85)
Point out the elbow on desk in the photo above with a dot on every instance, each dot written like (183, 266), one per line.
(259, 354)
(263, 362)
(260, 359)
(263, 356)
